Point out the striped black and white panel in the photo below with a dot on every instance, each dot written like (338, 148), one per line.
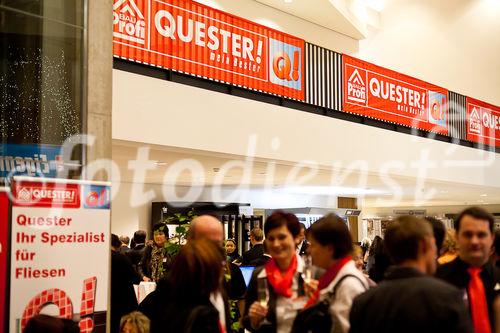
(323, 77)
(457, 120)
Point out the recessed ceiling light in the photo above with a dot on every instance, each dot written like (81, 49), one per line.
(160, 163)
(288, 1)
(484, 195)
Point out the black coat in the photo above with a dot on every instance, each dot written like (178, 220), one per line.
(123, 299)
(253, 256)
(411, 302)
(455, 272)
(191, 316)
(160, 304)
(135, 255)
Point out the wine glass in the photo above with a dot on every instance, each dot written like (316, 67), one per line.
(263, 295)
(307, 273)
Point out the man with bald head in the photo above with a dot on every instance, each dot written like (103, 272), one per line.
(206, 226)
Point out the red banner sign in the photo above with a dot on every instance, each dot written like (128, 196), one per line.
(4, 231)
(380, 93)
(44, 194)
(189, 37)
(483, 122)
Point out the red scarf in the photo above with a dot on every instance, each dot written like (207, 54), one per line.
(327, 278)
(281, 283)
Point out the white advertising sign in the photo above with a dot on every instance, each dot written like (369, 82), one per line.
(59, 250)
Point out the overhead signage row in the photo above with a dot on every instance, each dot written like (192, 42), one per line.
(189, 37)
(483, 122)
(376, 92)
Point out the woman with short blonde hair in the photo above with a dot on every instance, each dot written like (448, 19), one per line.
(134, 322)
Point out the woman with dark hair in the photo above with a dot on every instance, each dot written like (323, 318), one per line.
(196, 274)
(330, 245)
(232, 252)
(276, 290)
(378, 260)
(156, 262)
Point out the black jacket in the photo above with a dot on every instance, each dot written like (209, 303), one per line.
(411, 302)
(253, 256)
(135, 255)
(160, 304)
(123, 277)
(455, 272)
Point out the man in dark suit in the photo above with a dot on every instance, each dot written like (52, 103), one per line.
(255, 254)
(471, 271)
(409, 300)
(136, 253)
(123, 278)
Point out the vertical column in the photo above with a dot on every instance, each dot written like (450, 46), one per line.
(353, 220)
(99, 81)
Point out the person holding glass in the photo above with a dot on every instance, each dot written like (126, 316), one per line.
(276, 290)
(330, 246)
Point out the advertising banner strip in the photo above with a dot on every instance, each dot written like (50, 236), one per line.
(30, 160)
(4, 232)
(59, 250)
(483, 122)
(376, 92)
(196, 39)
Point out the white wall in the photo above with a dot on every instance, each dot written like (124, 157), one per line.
(454, 44)
(165, 113)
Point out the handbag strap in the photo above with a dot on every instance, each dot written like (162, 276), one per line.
(331, 294)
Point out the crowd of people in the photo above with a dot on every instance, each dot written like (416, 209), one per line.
(418, 278)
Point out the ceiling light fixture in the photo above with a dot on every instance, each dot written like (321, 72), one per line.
(484, 195)
(288, 1)
(160, 163)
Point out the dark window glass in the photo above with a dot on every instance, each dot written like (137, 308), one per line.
(41, 72)
(66, 11)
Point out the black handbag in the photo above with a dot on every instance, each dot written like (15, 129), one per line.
(317, 318)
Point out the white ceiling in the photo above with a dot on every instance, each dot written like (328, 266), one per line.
(375, 191)
(331, 14)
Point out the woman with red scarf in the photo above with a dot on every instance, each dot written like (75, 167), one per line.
(330, 245)
(282, 277)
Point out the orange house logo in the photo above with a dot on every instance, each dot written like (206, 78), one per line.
(356, 88)
(129, 22)
(474, 121)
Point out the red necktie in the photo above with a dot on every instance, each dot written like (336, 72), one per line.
(477, 301)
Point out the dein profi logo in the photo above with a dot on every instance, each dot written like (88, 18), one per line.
(285, 63)
(475, 121)
(96, 196)
(128, 21)
(24, 195)
(356, 88)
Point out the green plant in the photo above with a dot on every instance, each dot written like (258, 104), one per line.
(174, 244)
